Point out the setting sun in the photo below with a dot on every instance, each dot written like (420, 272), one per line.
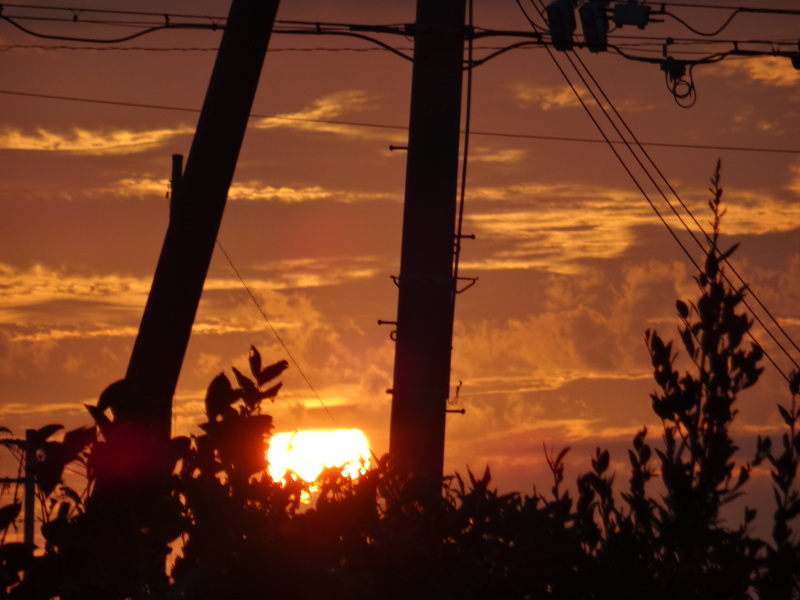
(307, 453)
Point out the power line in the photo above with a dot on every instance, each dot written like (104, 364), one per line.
(524, 136)
(652, 180)
(275, 332)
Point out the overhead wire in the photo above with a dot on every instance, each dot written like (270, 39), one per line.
(275, 333)
(717, 31)
(524, 136)
(654, 165)
(645, 169)
(464, 160)
(357, 31)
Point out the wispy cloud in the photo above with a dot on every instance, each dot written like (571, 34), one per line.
(84, 141)
(556, 226)
(497, 155)
(563, 96)
(318, 115)
(773, 71)
(253, 191)
(549, 98)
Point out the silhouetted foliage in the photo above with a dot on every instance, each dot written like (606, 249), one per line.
(236, 533)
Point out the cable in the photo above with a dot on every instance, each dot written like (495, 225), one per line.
(703, 33)
(665, 198)
(464, 164)
(773, 11)
(525, 136)
(274, 331)
(697, 224)
(102, 41)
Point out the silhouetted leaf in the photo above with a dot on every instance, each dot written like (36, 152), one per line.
(16, 556)
(8, 513)
(787, 418)
(271, 372)
(220, 395)
(794, 383)
(730, 251)
(76, 441)
(114, 396)
(683, 310)
(41, 435)
(101, 420)
(255, 362)
(250, 393)
(270, 393)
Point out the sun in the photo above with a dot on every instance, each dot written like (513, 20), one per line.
(308, 452)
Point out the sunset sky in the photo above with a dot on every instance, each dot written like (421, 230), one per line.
(573, 264)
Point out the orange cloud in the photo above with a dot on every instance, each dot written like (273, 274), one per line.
(773, 71)
(84, 141)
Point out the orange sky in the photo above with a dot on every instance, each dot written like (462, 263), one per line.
(573, 264)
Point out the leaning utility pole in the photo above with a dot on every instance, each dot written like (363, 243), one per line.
(196, 213)
(426, 281)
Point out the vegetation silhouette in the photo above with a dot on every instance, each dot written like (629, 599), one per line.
(237, 533)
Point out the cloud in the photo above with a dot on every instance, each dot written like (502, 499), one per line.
(318, 115)
(555, 227)
(84, 141)
(563, 96)
(549, 98)
(494, 155)
(771, 71)
(251, 191)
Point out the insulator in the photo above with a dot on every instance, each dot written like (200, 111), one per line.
(594, 22)
(561, 20)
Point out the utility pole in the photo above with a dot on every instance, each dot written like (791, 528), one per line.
(196, 213)
(28, 447)
(426, 281)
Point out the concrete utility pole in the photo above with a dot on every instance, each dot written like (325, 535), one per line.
(426, 282)
(28, 447)
(196, 213)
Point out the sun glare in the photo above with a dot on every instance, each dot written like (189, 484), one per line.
(307, 453)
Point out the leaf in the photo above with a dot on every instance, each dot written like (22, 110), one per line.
(271, 392)
(255, 362)
(76, 441)
(8, 513)
(787, 418)
(712, 265)
(41, 435)
(683, 310)
(794, 384)
(730, 251)
(562, 454)
(101, 420)
(220, 395)
(16, 556)
(271, 372)
(114, 396)
(250, 393)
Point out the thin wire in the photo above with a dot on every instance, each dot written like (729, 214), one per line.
(77, 11)
(402, 127)
(104, 41)
(588, 112)
(619, 158)
(696, 222)
(464, 162)
(717, 31)
(274, 331)
(774, 11)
